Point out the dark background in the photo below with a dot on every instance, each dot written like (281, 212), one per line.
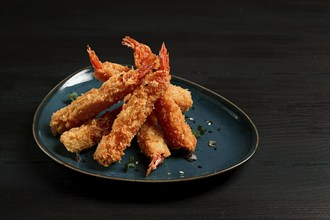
(271, 58)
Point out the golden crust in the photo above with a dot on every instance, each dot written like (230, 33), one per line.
(109, 69)
(152, 108)
(90, 104)
(88, 134)
(130, 119)
(152, 144)
(182, 97)
(150, 139)
(176, 131)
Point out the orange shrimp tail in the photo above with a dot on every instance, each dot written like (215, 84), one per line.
(164, 61)
(96, 63)
(156, 160)
(142, 52)
(130, 42)
(164, 58)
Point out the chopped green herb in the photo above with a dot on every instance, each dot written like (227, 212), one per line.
(130, 164)
(72, 96)
(78, 157)
(200, 132)
(196, 134)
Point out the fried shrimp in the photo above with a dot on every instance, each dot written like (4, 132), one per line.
(141, 51)
(90, 104)
(134, 113)
(176, 130)
(152, 144)
(151, 110)
(150, 136)
(173, 123)
(182, 97)
(90, 133)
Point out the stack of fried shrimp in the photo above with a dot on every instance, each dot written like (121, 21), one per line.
(152, 110)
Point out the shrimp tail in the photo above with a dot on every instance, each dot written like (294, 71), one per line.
(164, 58)
(164, 62)
(156, 160)
(142, 52)
(130, 42)
(96, 63)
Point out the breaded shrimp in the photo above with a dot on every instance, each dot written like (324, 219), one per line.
(103, 71)
(140, 52)
(150, 136)
(176, 131)
(167, 111)
(182, 97)
(173, 123)
(134, 114)
(90, 104)
(90, 133)
(152, 144)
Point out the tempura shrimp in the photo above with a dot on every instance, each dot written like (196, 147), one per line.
(89, 134)
(176, 130)
(134, 113)
(90, 104)
(152, 144)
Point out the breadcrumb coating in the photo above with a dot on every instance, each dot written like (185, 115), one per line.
(130, 119)
(176, 130)
(182, 97)
(134, 113)
(90, 133)
(90, 104)
(152, 143)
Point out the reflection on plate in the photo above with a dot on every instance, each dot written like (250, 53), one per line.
(230, 137)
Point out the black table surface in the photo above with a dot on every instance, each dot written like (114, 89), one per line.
(271, 58)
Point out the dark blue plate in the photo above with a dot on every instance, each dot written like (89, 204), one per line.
(228, 137)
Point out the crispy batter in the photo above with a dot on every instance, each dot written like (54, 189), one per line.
(182, 97)
(152, 108)
(150, 136)
(103, 71)
(90, 104)
(176, 131)
(134, 114)
(180, 135)
(152, 144)
(90, 133)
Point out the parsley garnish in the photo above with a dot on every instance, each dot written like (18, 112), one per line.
(130, 164)
(200, 132)
(72, 96)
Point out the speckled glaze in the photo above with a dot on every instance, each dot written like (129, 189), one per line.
(230, 137)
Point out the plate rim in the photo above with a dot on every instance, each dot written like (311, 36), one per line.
(253, 147)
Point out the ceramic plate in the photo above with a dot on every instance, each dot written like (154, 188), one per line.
(228, 137)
